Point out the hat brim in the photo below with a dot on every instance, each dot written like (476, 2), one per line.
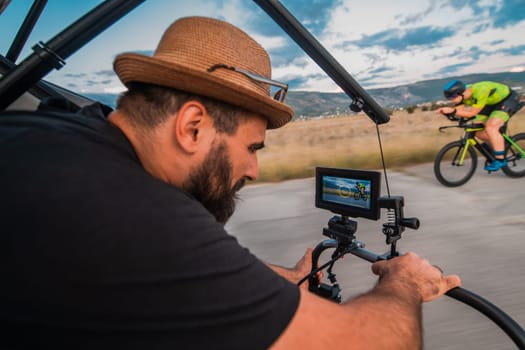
(132, 67)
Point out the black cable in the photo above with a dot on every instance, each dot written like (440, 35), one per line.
(382, 159)
(320, 268)
(504, 321)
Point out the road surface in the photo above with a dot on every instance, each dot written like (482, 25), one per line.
(476, 230)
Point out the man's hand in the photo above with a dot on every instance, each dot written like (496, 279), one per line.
(411, 271)
(304, 265)
(300, 270)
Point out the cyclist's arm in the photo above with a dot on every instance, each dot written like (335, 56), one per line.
(463, 111)
(466, 111)
(387, 317)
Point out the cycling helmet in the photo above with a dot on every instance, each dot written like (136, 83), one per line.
(453, 89)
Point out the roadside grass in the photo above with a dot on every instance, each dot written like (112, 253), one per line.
(294, 150)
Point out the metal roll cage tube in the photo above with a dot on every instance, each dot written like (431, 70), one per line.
(361, 100)
(52, 54)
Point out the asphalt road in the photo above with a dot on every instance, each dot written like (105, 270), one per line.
(476, 230)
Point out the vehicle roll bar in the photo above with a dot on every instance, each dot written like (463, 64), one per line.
(361, 100)
(25, 29)
(53, 53)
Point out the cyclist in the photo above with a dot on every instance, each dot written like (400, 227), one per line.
(491, 104)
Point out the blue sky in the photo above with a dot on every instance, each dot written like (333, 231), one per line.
(381, 43)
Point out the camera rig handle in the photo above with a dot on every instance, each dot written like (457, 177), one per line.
(341, 231)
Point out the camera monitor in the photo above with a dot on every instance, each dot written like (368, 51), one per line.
(348, 192)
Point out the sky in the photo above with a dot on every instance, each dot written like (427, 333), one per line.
(381, 43)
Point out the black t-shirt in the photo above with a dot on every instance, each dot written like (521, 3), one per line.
(97, 253)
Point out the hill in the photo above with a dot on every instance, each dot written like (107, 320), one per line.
(309, 104)
(432, 90)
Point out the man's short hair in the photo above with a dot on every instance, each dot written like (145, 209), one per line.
(146, 106)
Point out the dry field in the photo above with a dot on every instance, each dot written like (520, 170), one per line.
(294, 150)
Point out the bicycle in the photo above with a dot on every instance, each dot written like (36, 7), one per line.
(456, 162)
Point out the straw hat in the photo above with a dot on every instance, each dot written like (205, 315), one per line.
(187, 50)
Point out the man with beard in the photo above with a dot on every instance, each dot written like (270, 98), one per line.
(114, 233)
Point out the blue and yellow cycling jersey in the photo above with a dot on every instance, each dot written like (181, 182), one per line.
(486, 93)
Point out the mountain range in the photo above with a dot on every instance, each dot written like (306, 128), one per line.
(308, 104)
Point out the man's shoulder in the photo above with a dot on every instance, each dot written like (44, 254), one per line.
(14, 121)
(29, 130)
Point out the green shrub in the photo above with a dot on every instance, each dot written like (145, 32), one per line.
(411, 109)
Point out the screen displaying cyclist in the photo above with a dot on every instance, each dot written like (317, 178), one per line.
(490, 103)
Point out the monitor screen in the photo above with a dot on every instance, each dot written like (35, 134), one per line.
(348, 192)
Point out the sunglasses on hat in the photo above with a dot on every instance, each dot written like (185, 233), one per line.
(279, 91)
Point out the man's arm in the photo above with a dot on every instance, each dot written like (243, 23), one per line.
(387, 317)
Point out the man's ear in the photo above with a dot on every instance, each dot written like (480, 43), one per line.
(191, 124)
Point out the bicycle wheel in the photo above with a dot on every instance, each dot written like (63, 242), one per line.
(515, 160)
(447, 167)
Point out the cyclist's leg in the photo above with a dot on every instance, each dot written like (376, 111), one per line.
(482, 134)
(495, 121)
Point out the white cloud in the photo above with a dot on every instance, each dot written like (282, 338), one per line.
(351, 21)
(270, 43)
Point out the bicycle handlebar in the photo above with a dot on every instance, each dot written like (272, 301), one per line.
(463, 124)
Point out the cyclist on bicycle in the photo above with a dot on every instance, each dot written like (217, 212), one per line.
(491, 104)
